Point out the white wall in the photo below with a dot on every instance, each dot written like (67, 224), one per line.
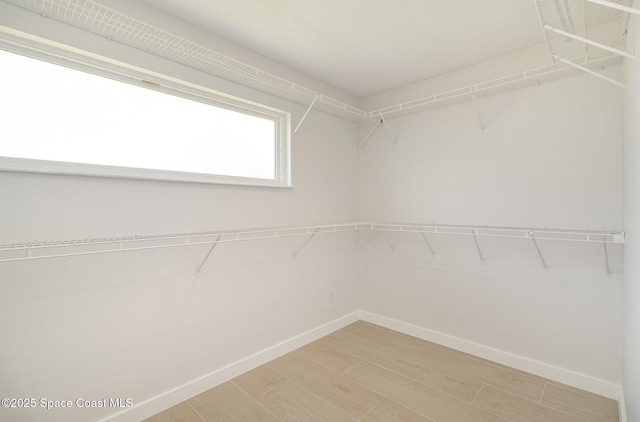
(549, 157)
(631, 287)
(139, 324)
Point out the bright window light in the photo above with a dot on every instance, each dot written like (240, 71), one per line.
(56, 114)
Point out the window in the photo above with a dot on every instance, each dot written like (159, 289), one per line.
(60, 120)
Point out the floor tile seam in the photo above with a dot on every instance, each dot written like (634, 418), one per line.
(351, 367)
(464, 403)
(417, 382)
(272, 390)
(543, 391)
(412, 409)
(195, 410)
(420, 340)
(258, 403)
(589, 416)
(473, 378)
(325, 366)
(460, 371)
(549, 405)
(372, 407)
(477, 394)
(422, 383)
(311, 392)
(321, 398)
(519, 372)
(488, 410)
(456, 371)
(578, 417)
(585, 393)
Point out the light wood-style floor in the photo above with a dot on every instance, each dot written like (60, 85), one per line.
(367, 373)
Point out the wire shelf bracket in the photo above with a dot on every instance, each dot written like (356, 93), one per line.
(589, 71)
(535, 244)
(606, 260)
(305, 114)
(206, 258)
(388, 241)
(366, 138)
(475, 105)
(386, 125)
(590, 42)
(295, 254)
(475, 239)
(426, 241)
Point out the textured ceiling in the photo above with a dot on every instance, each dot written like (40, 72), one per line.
(365, 47)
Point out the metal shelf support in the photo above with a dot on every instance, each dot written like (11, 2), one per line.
(591, 72)
(386, 125)
(426, 241)
(475, 104)
(475, 239)
(304, 116)
(206, 258)
(587, 41)
(388, 241)
(295, 254)
(366, 138)
(606, 260)
(535, 243)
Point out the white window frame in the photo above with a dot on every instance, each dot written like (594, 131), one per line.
(79, 60)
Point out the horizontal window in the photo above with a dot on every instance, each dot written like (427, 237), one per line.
(61, 120)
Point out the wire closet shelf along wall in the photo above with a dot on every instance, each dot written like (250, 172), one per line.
(13, 252)
(115, 25)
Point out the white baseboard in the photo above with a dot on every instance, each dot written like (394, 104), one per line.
(554, 373)
(622, 408)
(183, 392)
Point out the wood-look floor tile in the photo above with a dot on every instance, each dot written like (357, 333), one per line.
(343, 393)
(518, 409)
(418, 397)
(355, 326)
(338, 360)
(292, 403)
(228, 403)
(472, 367)
(259, 381)
(417, 369)
(586, 406)
(390, 411)
(181, 412)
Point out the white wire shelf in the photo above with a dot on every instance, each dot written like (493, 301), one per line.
(499, 86)
(96, 18)
(64, 248)
(587, 25)
(570, 235)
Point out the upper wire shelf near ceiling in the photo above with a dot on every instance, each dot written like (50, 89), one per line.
(114, 25)
(581, 18)
(574, 27)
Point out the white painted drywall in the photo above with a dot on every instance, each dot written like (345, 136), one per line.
(631, 286)
(550, 157)
(139, 324)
